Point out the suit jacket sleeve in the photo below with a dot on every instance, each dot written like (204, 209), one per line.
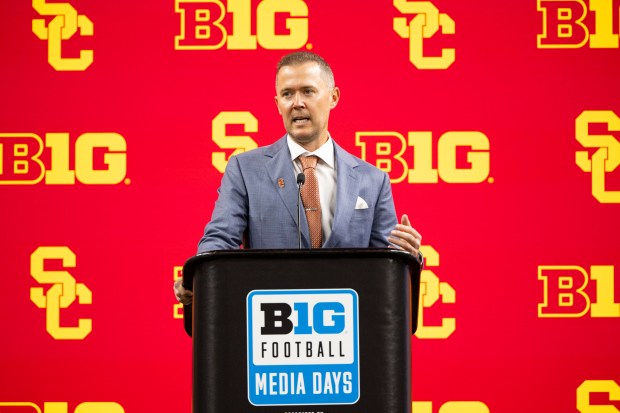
(384, 215)
(230, 216)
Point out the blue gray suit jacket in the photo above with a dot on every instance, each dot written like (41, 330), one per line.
(254, 209)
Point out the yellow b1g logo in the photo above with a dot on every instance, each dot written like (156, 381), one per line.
(563, 24)
(386, 150)
(61, 407)
(209, 25)
(100, 159)
(565, 296)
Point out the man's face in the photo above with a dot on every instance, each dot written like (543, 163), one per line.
(304, 99)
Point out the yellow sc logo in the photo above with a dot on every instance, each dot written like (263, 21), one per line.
(63, 26)
(62, 294)
(424, 25)
(177, 308)
(433, 290)
(597, 386)
(238, 144)
(606, 158)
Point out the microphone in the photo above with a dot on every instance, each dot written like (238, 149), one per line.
(301, 179)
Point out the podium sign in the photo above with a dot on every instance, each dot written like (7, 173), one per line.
(302, 330)
(303, 347)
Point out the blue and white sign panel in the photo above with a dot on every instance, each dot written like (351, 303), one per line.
(303, 347)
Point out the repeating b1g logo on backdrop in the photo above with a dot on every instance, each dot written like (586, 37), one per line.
(303, 347)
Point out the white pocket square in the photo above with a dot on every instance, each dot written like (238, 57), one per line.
(360, 204)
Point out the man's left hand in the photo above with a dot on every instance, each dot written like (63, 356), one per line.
(406, 237)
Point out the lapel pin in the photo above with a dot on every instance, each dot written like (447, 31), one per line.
(281, 182)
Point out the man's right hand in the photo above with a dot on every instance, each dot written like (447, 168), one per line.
(184, 296)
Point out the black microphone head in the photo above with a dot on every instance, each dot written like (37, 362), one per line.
(301, 178)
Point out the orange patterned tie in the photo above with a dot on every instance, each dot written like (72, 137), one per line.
(311, 200)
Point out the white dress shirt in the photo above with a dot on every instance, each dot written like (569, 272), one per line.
(326, 175)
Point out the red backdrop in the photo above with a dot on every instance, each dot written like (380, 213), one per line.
(504, 153)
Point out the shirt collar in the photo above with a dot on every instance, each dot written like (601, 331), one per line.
(325, 152)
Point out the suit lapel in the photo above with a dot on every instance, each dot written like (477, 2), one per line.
(279, 166)
(347, 190)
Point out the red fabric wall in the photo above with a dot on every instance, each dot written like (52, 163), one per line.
(117, 118)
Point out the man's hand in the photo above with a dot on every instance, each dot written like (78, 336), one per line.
(184, 296)
(405, 237)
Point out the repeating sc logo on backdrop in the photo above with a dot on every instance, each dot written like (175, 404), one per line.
(303, 347)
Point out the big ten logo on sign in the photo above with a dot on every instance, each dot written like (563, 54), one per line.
(426, 23)
(98, 159)
(606, 158)
(61, 407)
(432, 292)
(303, 347)
(241, 25)
(450, 407)
(462, 157)
(568, 292)
(589, 388)
(564, 24)
(63, 26)
(61, 294)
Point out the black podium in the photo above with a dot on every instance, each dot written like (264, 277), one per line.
(302, 330)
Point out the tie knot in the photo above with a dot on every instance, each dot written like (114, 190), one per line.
(308, 161)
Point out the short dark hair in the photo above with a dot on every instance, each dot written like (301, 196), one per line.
(299, 58)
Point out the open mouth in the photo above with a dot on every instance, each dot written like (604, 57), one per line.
(300, 120)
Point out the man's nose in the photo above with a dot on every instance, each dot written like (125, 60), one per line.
(298, 101)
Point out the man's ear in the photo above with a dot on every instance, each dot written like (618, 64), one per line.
(275, 98)
(335, 97)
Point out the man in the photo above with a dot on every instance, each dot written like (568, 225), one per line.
(258, 196)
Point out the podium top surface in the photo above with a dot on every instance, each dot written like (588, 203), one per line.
(319, 253)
